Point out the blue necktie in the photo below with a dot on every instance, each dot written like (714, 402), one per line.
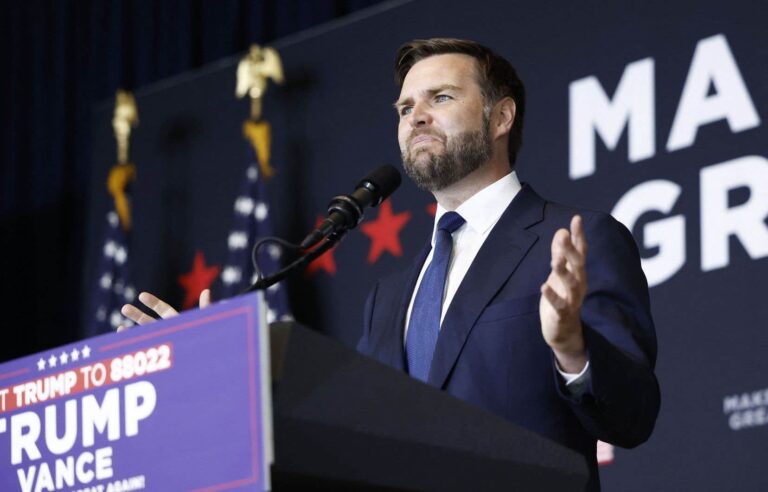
(424, 324)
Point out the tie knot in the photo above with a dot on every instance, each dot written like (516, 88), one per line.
(450, 221)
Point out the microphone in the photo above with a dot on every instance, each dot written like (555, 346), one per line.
(346, 211)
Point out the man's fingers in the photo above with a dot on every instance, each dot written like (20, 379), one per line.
(557, 302)
(136, 315)
(205, 298)
(577, 235)
(162, 308)
(559, 240)
(564, 250)
(567, 278)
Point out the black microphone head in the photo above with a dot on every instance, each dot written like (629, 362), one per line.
(384, 180)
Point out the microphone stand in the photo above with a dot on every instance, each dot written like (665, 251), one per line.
(300, 263)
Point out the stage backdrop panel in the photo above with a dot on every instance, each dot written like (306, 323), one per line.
(653, 111)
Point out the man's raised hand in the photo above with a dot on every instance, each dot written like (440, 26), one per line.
(562, 296)
(157, 305)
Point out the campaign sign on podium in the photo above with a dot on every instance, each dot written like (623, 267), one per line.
(181, 404)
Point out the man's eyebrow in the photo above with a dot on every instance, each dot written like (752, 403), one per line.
(409, 100)
(397, 104)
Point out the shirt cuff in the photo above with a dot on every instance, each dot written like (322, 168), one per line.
(570, 377)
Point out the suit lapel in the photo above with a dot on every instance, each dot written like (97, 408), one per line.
(496, 261)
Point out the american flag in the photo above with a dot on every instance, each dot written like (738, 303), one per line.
(113, 284)
(252, 222)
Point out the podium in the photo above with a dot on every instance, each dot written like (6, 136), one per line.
(343, 421)
(185, 404)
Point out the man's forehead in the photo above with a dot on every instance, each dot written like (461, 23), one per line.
(453, 69)
(448, 64)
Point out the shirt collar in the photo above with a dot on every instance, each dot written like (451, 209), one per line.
(483, 209)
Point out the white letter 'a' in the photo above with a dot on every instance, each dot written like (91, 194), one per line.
(712, 63)
(591, 111)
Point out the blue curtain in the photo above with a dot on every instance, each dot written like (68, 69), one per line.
(59, 58)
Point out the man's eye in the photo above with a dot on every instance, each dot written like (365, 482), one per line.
(442, 98)
(405, 110)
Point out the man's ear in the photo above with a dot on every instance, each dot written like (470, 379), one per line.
(505, 111)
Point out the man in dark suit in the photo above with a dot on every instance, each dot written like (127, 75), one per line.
(505, 308)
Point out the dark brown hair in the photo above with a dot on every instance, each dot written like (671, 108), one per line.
(498, 78)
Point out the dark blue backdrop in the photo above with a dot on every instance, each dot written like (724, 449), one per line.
(332, 122)
(59, 57)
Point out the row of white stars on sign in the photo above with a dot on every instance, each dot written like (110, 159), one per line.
(64, 357)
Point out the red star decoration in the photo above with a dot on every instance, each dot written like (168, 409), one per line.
(432, 209)
(385, 232)
(198, 279)
(325, 261)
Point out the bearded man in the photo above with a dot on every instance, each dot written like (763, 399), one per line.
(504, 307)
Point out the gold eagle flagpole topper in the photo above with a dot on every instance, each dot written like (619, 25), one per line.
(253, 72)
(125, 117)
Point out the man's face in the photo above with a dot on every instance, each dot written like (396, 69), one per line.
(444, 130)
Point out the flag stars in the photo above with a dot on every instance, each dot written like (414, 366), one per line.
(260, 211)
(129, 293)
(105, 281)
(115, 319)
(86, 352)
(244, 205)
(113, 219)
(252, 220)
(74, 355)
(252, 173)
(274, 251)
(41, 364)
(237, 240)
(231, 275)
(52, 361)
(109, 249)
(121, 254)
(63, 358)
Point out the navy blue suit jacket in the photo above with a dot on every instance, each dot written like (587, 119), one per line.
(490, 351)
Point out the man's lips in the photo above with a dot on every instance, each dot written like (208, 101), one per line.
(423, 138)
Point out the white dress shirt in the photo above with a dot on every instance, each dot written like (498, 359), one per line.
(481, 212)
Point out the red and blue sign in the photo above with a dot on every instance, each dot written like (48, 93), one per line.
(182, 404)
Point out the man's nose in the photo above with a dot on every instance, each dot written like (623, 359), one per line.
(420, 115)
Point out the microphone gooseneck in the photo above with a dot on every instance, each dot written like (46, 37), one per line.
(345, 212)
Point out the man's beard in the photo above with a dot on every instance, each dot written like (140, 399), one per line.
(463, 154)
